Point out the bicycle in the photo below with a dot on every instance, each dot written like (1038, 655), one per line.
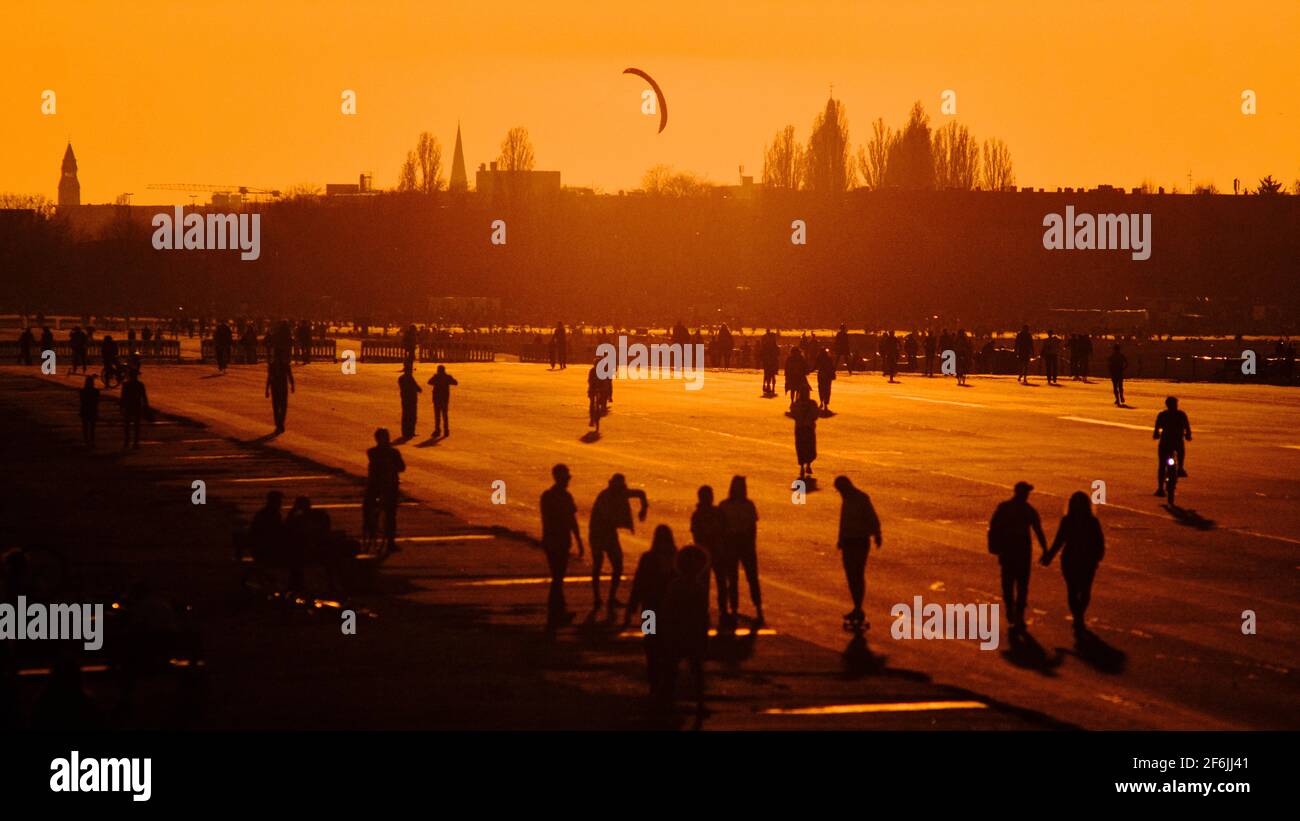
(1171, 477)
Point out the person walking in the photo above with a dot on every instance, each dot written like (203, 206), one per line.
(1116, 364)
(1024, 353)
(559, 526)
(708, 531)
(611, 511)
(1009, 539)
(1082, 546)
(859, 525)
(279, 384)
(649, 584)
(135, 407)
(441, 382)
(383, 476)
(741, 534)
(805, 413)
(409, 392)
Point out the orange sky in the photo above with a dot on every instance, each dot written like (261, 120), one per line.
(249, 92)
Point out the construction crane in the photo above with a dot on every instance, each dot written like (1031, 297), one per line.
(221, 194)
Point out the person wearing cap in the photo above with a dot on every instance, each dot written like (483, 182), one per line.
(611, 511)
(1009, 539)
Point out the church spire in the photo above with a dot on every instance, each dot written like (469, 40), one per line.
(458, 181)
(69, 187)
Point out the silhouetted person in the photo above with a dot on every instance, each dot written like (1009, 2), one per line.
(89, 410)
(928, 345)
(859, 524)
(741, 535)
(708, 531)
(1082, 546)
(559, 526)
(279, 384)
(560, 337)
(796, 376)
(888, 351)
(25, 342)
(441, 382)
(843, 348)
(1172, 428)
(724, 344)
(79, 343)
(304, 341)
(1009, 539)
(1051, 353)
(382, 479)
(408, 391)
(805, 415)
(135, 406)
(409, 341)
(266, 531)
(825, 367)
(965, 354)
(770, 354)
(302, 537)
(611, 511)
(1116, 364)
(654, 570)
(1024, 353)
(1085, 355)
(223, 341)
(685, 622)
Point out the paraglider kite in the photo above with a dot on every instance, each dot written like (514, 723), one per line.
(663, 106)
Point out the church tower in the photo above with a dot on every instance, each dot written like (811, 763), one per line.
(458, 181)
(69, 187)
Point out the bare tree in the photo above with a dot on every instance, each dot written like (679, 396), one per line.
(1205, 188)
(428, 158)
(956, 158)
(39, 203)
(406, 179)
(873, 158)
(663, 181)
(828, 162)
(999, 174)
(516, 151)
(783, 163)
(911, 159)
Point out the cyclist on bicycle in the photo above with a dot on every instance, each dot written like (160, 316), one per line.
(1172, 428)
(108, 352)
(599, 387)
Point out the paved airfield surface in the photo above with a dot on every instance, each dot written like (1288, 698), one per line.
(1168, 600)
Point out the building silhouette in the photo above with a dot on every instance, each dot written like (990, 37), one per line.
(458, 180)
(69, 187)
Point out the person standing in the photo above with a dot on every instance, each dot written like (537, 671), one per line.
(1051, 356)
(222, 342)
(79, 344)
(1082, 546)
(796, 376)
(685, 624)
(560, 338)
(409, 392)
(135, 406)
(383, 476)
(741, 535)
(859, 525)
(928, 343)
(1024, 353)
(1116, 364)
(279, 384)
(1009, 539)
(559, 525)
(649, 584)
(611, 511)
(441, 382)
(708, 530)
(89, 410)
